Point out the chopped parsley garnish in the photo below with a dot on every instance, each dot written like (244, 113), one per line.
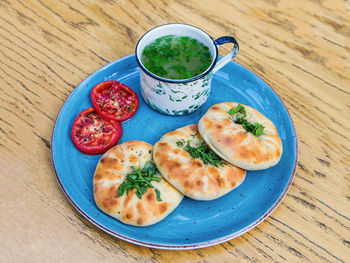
(140, 179)
(202, 152)
(158, 195)
(179, 143)
(239, 114)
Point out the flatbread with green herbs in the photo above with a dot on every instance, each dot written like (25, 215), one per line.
(129, 187)
(186, 161)
(241, 135)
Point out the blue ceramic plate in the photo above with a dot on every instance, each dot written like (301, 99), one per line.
(194, 224)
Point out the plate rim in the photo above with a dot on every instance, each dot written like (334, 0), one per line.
(178, 247)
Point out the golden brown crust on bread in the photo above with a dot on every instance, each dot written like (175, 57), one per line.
(112, 170)
(234, 144)
(191, 176)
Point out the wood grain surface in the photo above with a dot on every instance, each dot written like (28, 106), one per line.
(302, 50)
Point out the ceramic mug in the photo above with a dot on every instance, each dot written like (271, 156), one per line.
(180, 97)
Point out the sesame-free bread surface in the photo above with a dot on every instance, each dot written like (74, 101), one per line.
(112, 170)
(191, 176)
(234, 144)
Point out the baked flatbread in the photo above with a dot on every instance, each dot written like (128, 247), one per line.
(234, 144)
(113, 169)
(191, 176)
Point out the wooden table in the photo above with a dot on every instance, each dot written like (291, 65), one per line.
(301, 48)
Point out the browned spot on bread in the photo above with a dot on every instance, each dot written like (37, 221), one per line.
(195, 164)
(119, 154)
(108, 175)
(141, 211)
(175, 133)
(235, 175)
(113, 190)
(132, 159)
(213, 171)
(218, 181)
(129, 214)
(129, 197)
(243, 152)
(163, 207)
(214, 108)
(177, 151)
(98, 176)
(140, 207)
(193, 128)
(278, 152)
(256, 153)
(228, 141)
(188, 184)
(215, 178)
(107, 162)
(199, 183)
(150, 196)
(132, 145)
(162, 147)
(106, 198)
(219, 127)
(226, 122)
(173, 165)
(109, 203)
(240, 137)
(207, 123)
(96, 187)
(183, 153)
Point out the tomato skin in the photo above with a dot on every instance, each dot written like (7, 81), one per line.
(93, 134)
(114, 100)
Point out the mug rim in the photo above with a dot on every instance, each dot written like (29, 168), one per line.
(207, 71)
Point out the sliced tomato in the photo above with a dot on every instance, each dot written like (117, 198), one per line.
(93, 134)
(114, 100)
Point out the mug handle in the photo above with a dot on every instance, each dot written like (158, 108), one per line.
(226, 59)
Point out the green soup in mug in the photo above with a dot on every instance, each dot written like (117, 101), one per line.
(176, 57)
